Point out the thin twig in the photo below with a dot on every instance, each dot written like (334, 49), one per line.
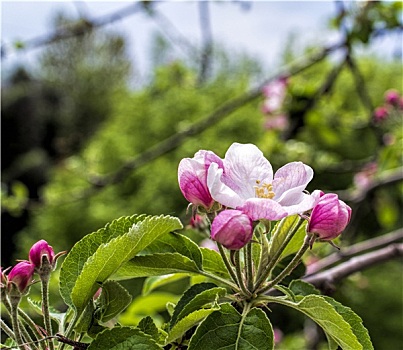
(327, 279)
(356, 249)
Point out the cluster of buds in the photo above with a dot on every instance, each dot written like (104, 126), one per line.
(240, 190)
(393, 102)
(42, 260)
(274, 94)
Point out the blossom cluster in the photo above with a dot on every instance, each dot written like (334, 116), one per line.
(393, 102)
(21, 275)
(242, 189)
(274, 95)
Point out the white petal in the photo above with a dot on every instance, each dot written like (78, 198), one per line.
(289, 182)
(220, 191)
(245, 164)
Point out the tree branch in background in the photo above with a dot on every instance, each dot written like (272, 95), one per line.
(356, 249)
(390, 177)
(327, 279)
(176, 140)
(80, 28)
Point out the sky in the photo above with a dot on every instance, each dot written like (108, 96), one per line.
(260, 28)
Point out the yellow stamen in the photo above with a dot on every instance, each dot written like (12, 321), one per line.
(264, 190)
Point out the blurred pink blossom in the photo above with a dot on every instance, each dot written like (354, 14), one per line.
(392, 97)
(363, 178)
(381, 113)
(275, 93)
(276, 122)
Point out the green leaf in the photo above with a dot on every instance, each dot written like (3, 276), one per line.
(299, 287)
(354, 321)
(281, 231)
(228, 329)
(155, 265)
(123, 338)
(212, 262)
(195, 298)
(85, 248)
(176, 243)
(148, 326)
(188, 322)
(154, 282)
(149, 305)
(113, 300)
(325, 315)
(111, 255)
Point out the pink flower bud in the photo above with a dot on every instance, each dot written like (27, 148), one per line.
(392, 97)
(232, 228)
(192, 177)
(21, 275)
(329, 217)
(38, 250)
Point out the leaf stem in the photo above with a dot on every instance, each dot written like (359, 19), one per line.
(31, 324)
(220, 279)
(7, 329)
(290, 267)
(226, 262)
(45, 307)
(15, 300)
(277, 254)
(238, 269)
(249, 266)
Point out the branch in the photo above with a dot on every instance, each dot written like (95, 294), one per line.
(207, 40)
(348, 252)
(176, 140)
(388, 178)
(327, 279)
(79, 28)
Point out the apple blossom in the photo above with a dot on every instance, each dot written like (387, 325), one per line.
(232, 228)
(329, 216)
(192, 177)
(246, 182)
(38, 250)
(21, 276)
(275, 93)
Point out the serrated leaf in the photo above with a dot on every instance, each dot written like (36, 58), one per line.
(195, 298)
(212, 262)
(188, 322)
(155, 265)
(325, 315)
(148, 326)
(123, 338)
(154, 282)
(113, 300)
(85, 248)
(111, 255)
(300, 287)
(176, 243)
(228, 329)
(354, 321)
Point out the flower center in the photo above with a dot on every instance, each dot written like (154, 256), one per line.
(264, 190)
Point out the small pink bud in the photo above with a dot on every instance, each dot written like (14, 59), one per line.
(21, 275)
(381, 113)
(38, 250)
(392, 97)
(232, 228)
(192, 177)
(329, 217)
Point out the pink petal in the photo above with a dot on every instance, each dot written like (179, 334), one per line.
(220, 191)
(262, 208)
